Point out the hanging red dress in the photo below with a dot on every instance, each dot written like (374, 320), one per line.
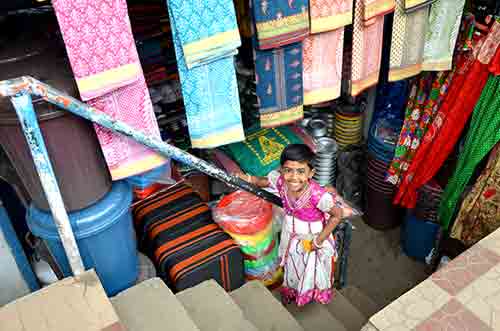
(447, 127)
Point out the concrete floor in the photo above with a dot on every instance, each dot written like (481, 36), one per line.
(378, 266)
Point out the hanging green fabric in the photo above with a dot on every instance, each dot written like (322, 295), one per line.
(482, 136)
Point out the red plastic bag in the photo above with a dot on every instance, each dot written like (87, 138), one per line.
(243, 213)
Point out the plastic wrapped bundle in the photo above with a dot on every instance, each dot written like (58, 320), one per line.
(249, 220)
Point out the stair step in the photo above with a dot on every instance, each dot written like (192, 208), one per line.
(360, 300)
(212, 309)
(263, 310)
(346, 312)
(315, 317)
(151, 306)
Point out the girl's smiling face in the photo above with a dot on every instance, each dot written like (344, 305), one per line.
(296, 175)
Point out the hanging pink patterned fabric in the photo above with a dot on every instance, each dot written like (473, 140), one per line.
(328, 15)
(130, 104)
(322, 60)
(366, 50)
(104, 59)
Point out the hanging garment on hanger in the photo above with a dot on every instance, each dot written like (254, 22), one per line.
(442, 33)
(280, 22)
(483, 135)
(366, 50)
(374, 8)
(209, 86)
(425, 98)
(279, 85)
(408, 40)
(328, 15)
(450, 120)
(104, 59)
(479, 214)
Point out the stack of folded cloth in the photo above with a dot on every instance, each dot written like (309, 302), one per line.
(248, 220)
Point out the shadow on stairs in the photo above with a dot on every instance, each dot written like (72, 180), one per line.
(151, 306)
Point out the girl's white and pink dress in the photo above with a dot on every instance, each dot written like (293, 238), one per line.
(308, 276)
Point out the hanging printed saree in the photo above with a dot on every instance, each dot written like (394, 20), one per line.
(408, 41)
(442, 33)
(323, 66)
(328, 15)
(104, 59)
(209, 86)
(374, 8)
(479, 214)
(483, 135)
(279, 85)
(438, 142)
(323, 52)
(280, 22)
(425, 98)
(366, 50)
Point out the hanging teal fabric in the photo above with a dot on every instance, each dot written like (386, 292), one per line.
(482, 136)
(205, 37)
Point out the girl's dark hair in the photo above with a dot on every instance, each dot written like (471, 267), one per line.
(298, 153)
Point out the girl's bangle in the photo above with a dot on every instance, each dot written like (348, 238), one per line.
(315, 243)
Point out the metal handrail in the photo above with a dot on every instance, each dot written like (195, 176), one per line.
(19, 90)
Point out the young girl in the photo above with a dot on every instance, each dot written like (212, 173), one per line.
(307, 247)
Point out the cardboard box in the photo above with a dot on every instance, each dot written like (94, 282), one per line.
(72, 304)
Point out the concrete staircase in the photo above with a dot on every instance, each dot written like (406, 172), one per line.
(151, 306)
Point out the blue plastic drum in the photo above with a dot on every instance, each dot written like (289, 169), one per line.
(105, 236)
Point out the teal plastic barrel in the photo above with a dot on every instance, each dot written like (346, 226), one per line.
(104, 234)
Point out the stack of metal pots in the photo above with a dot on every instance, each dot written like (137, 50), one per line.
(325, 162)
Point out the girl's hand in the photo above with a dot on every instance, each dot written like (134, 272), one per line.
(336, 213)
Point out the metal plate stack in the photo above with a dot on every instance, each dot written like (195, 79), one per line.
(348, 125)
(323, 112)
(325, 162)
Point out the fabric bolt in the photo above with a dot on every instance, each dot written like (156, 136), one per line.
(209, 89)
(207, 30)
(366, 51)
(279, 79)
(328, 15)
(479, 214)
(322, 66)
(99, 44)
(408, 41)
(425, 99)
(450, 120)
(483, 135)
(374, 8)
(104, 59)
(442, 33)
(280, 22)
